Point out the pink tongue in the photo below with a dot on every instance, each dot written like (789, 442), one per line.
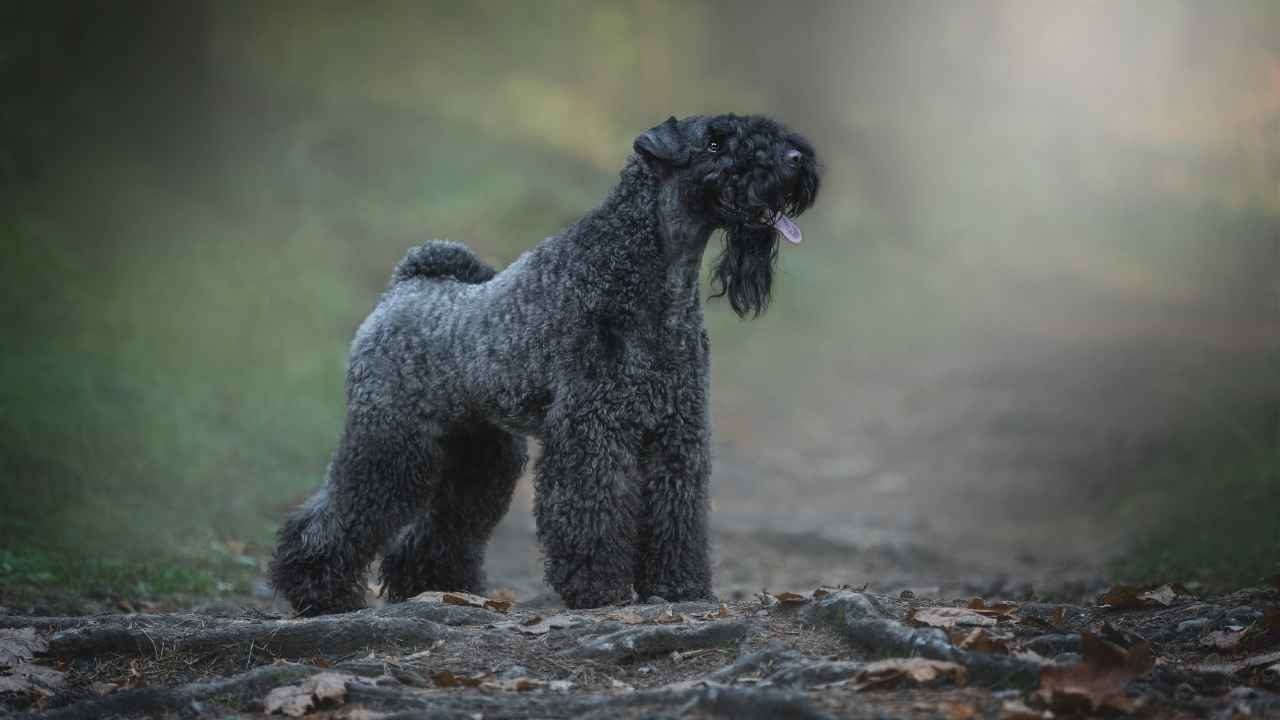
(789, 230)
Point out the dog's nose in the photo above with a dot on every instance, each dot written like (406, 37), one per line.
(793, 156)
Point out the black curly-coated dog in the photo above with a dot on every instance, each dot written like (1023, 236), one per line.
(592, 341)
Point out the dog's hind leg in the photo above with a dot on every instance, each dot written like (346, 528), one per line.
(380, 476)
(444, 548)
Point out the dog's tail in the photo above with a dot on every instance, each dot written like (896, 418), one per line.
(441, 258)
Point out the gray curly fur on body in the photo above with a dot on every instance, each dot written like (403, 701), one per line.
(594, 342)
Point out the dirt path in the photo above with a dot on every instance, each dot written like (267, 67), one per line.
(828, 653)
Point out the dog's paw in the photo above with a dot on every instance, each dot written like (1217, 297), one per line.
(597, 597)
(678, 593)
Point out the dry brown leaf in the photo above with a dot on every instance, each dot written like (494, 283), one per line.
(465, 599)
(626, 618)
(948, 617)
(720, 614)
(444, 678)
(792, 598)
(326, 689)
(1060, 616)
(1001, 609)
(1017, 710)
(979, 640)
(520, 684)
(1097, 684)
(1131, 597)
(666, 617)
(290, 700)
(534, 626)
(957, 711)
(886, 674)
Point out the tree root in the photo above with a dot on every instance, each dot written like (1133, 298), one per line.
(864, 623)
(403, 624)
(185, 699)
(646, 641)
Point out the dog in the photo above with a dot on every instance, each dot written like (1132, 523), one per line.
(593, 342)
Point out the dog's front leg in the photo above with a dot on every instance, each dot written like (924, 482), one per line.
(674, 561)
(585, 504)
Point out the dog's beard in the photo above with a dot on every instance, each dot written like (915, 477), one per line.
(744, 270)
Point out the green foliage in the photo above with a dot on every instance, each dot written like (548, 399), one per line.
(1205, 508)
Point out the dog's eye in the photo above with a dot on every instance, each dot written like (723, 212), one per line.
(713, 146)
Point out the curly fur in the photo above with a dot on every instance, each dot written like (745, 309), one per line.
(592, 341)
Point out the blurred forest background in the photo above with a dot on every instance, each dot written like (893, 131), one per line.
(1036, 314)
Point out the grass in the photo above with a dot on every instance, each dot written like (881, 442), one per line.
(1205, 509)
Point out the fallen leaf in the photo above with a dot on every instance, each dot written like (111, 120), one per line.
(1017, 710)
(1132, 597)
(444, 678)
(534, 626)
(948, 617)
(979, 640)
(327, 689)
(887, 674)
(290, 700)
(720, 614)
(666, 617)
(626, 618)
(520, 684)
(1111, 659)
(957, 711)
(464, 599)
(792, 598)
(1001, 609)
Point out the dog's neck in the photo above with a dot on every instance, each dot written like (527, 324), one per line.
(682, 241)
(664, 232)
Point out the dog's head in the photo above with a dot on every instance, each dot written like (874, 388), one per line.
(747, 175)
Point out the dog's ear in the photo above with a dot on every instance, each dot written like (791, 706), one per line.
(664, 143)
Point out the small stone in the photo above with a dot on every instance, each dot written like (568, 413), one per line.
(1194, 626)
(906, 595)
(645, 670)
(1006, 694)
(1244, 615)
(513, 672)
